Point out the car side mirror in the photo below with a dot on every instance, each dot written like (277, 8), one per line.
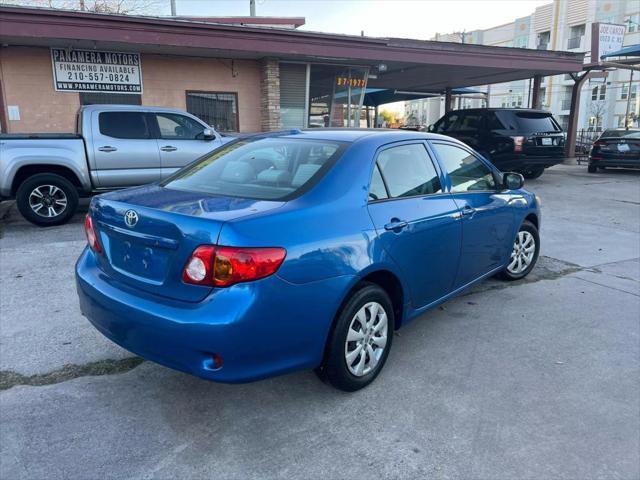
(431, 128)
(512, 181)
(208, 134)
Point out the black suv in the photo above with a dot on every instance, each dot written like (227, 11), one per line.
(514, 139)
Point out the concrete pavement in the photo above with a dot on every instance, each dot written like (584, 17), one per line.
(535, 379)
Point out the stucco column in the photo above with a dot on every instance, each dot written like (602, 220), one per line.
(270, 95)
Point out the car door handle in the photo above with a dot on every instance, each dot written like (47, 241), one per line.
(468, 211)
(168, 148)
(107, 148)
(396, 224)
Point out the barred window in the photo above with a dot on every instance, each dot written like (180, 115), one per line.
(217, 109)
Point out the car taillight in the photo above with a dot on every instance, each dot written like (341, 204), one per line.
(224, 266)
(92, 236)
(517, 143)
(599, 143)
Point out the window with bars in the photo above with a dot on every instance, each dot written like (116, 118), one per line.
(217, 109)
(102, 98)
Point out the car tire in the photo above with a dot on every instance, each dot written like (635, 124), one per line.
(522, 260)
(350, 365)
(532, 173)
(592, 169)
(47, 199)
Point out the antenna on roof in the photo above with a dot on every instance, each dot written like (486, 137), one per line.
(252, 8)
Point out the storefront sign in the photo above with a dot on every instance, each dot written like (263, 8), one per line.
(96, 71)
(350, 82)
(610, 38)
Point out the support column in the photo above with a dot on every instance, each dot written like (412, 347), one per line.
(447, 100)
(572, 127)
(535, 93)
(270, 95)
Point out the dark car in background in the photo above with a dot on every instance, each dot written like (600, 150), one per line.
(615, 148)
(513, 139)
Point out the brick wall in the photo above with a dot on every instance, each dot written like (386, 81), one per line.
(270, 95)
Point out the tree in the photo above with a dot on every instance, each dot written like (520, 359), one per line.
(388, 117)
(597, 111)
(119, 7)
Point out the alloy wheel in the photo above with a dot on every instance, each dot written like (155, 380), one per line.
(47, 201)
(524, 249)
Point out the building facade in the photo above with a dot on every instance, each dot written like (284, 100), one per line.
(237, 74)
(561, 25)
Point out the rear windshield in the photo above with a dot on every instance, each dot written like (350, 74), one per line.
(263, 168)
(620, 133)
(529, 122)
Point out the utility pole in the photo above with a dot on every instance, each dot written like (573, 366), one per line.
(252, 8)
(626, 114)
(173, 8)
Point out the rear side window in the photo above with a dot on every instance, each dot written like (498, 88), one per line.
(263, 169)
(129, 125)
(529, 122)
(377, 190)
(469, 122)
(466, 172)
(408, 171)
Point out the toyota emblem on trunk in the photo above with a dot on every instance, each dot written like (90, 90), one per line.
(130, 218)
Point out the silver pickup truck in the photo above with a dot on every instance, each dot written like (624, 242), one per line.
(115, 146)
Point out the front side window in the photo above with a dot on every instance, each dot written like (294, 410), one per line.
(263, 168)
(446, 123)
(466, 172)
(128, 125)
(408, 171)
(179, 127)
(219, 110)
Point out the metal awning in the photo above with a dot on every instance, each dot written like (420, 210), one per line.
(410, 65)
(630, 51)
(379, 96)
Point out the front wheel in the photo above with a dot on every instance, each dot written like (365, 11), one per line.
(360, 342)
(47, 199)
(531, 173)
(524, 255)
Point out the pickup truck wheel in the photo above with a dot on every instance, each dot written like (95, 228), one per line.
(531, 173)
(47, 199)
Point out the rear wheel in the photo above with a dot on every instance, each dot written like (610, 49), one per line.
(47, 199)
(531, 173)
(592, 168)
(524, 255)
(360, 342)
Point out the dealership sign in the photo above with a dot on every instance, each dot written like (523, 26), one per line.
(96, 71)
(605, 38)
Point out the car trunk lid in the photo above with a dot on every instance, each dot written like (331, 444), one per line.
(149, 233)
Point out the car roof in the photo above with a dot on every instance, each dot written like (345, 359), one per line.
(350, 135)
(131, 108)
(502, 109)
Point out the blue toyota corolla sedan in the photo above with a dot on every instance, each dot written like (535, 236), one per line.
(303, 249)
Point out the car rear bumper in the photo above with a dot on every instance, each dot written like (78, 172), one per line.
(615, 162)
(260, 329)
(524, 162)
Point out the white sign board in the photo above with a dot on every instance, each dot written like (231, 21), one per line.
(96, 71)
(610, 38)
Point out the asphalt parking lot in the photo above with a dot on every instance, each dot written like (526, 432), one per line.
(534, 379)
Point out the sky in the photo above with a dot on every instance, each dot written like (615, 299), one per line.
(419, 19)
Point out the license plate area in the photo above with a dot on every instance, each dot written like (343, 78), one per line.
(546, 141)
(623, 147)
(139, 260)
